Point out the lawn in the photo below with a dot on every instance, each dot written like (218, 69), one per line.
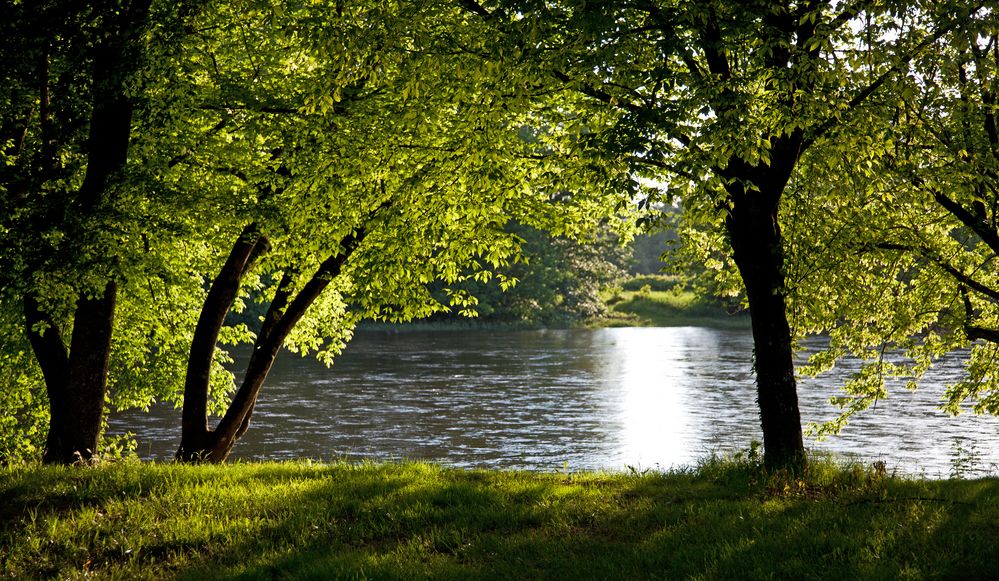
(723, 520)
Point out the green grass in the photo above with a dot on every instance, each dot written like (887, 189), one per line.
(655, 282)
(672, 308)
(412, 521)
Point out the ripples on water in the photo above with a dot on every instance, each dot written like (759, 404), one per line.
(582, 399)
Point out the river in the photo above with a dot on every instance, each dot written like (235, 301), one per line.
(578, 399)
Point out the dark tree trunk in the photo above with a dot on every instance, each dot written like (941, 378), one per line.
(198, 443)
(195, 435)
(758, 251)
(754, 193)
(75, 429)
(52, 357)
(76, 382)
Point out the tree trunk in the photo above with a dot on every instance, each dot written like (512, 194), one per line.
(195, 435)
(76, 382)
(215, 445)
(758, 252)
(83, 401)
(52, 357)
(198, 443)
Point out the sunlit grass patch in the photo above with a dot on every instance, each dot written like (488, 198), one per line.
(646, 307)
(722, 519)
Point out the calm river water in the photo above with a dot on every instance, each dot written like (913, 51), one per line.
(577, 399)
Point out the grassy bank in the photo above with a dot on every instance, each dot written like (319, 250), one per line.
(666, 308)
(409, 521)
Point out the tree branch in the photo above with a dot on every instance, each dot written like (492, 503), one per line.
(870, 89)
(276, 329)
(216, 306)
(958, 275)
(975, 332)
(599, 94)
(711, 41)
(979, 225)
(475, 8)
(237, 417)
(48, 346)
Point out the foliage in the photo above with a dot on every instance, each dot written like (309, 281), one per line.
(557, 282)
(717, 103)
(357, 127)
(893, 241)
(23, 413)
(654, 282)
(309, 123)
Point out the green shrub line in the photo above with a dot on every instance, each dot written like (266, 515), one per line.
(724, 519)
(653, 300)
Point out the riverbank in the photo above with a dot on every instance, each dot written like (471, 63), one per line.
(635, 303)
(651, 308)
(411, 520)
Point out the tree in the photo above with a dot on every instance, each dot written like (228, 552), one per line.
(721, 101)
(71, 90)
(912, 223)
(334, 159)
(371, 162)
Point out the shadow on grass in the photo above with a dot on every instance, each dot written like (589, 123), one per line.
(483, 526)
(411, 521)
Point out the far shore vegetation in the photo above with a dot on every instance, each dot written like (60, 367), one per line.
(565, 284)
(721, 520)
(631, 302)
(663, 301)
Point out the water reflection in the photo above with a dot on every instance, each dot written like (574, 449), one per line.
(603, 398)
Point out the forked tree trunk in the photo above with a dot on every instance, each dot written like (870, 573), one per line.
(195, 435)
(76, 381)
(198, 442)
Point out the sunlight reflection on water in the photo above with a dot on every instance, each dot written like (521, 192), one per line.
(586, 398)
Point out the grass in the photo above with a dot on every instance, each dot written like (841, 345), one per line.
(670, 308)
(411, 521)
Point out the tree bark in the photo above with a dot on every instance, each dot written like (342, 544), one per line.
(82, 403)
(758, 251)
(195, 434)
(199, 444)
(52, 357)
(75, 381)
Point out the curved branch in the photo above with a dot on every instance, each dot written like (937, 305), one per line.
(978, 224)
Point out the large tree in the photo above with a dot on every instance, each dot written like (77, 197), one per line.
(71, 243)
(401, 163)
(721, 101)
(332, 159)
